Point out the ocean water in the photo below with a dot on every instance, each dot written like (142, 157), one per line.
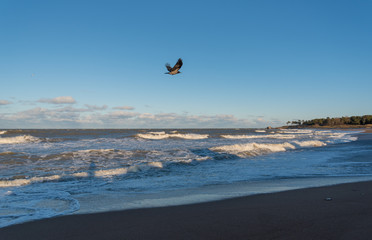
(46, 173)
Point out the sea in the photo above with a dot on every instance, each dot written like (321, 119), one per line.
(47, 173)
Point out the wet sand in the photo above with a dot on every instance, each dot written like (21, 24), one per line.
(297, 214)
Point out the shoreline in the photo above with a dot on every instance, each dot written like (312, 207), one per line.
(220, 191)
(211, 193)
(340, 211)
(174, 222)
(336, 127)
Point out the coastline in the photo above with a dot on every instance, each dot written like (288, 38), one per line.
(296, 214)
(302, 213)
(335, 127)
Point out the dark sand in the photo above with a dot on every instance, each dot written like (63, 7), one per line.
(297, 214)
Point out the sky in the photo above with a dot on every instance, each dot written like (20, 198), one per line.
(247, 64)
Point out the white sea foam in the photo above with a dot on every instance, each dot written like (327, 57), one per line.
(273, 136)
(253, 149)
(103, 173)
(314, 143)
(110, 172)
(156, 164)
(153, 135)
(157, 133)
(2, 132)
(91, 154)
(14, 183)
(18, 206)
(22, 182)
(342, 137)
(260, 131)
(81, 174)
(107, 173)
(19, 139)
(297, 131)
(163, 135)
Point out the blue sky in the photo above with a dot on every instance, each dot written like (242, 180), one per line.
(100, 64)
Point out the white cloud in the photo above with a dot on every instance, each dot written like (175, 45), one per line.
(58, 100)
(39, 115)
(124, 108)
(92, 116)
(5, 102)
(95, 107)
(120, 115)
(72, 109)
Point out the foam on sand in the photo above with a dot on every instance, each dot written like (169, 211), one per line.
(35, 204)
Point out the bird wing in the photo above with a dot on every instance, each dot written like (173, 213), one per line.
(168, 67)
(178, 64)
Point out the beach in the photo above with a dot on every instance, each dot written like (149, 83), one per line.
(246, 120)
(341, 211)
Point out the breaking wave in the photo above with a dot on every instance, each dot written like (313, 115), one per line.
(102, 173)
(273, 136)
(121, 171)
(314, 143)
(95, 163)
(260, 131)
(301, 131)
(256, 149)
(163, 135)
(22, 182)
(19, 139)
(253, 149)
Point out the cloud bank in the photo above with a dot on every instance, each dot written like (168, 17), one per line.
(58, 100)
(94, 116)
(68, 117)
(124, 108)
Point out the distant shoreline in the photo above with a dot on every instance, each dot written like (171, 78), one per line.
(344, 126)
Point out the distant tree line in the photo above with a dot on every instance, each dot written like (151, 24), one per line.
(354, 120)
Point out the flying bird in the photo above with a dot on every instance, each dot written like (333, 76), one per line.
(174, 70)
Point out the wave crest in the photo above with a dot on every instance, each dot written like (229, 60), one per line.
(253, 149)
(163, 135)
(314, 143)
(274, 136)
(19, 139)
(22, 182)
